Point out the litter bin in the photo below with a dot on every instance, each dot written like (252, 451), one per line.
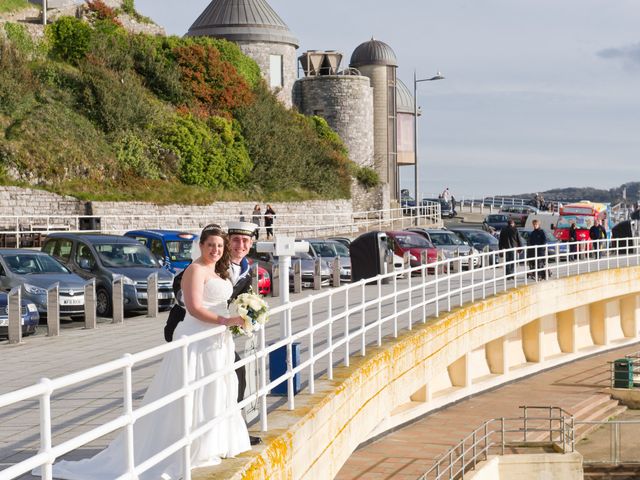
(623, 373)
(368, 255)
(278, 367)
(89, 223)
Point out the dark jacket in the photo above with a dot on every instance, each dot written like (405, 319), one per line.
(597, 232)
(509, 238)
(573, 234)
(536, 237)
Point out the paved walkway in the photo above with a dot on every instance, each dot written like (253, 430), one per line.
(410, 452)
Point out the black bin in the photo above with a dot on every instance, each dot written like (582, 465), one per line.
(622, 237)
(623, 373)
(89, 223)
(368, 255)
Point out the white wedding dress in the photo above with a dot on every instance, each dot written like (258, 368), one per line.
(158, 430)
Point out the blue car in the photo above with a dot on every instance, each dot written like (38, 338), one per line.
(172, 248)
(553, 244)
(30, 316)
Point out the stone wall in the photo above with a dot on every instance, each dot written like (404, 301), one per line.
(34, 206)
(260, 52)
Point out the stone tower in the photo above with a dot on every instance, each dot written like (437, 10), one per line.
(260, 33)
(377, 61)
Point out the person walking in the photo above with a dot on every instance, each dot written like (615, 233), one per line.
(509, 239)
(269, 217)
(256, 218)
(573, 240)
(453, 206)
(537, 238)
(597, 233)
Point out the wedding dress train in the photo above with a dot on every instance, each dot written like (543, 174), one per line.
(158, 430)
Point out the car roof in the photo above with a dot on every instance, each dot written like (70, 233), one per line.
(94, 238)
(166, 234)
(20, 251)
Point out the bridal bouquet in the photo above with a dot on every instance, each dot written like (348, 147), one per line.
(253, 310)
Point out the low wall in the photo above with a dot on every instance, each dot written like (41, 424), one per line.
(520, 331)
(530, 467)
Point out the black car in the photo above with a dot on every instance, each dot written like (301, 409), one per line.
(495, 222)
(479, 239)
(104, 257)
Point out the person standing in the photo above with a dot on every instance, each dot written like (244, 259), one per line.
(537, 238)
(206, 289)
(256, 218)
(453, 206)
(597, 233)
(446, 195)
(509, 239)
(269, 217)
(573, 240)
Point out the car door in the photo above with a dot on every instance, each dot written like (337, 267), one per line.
(5, 280)
(83, 255)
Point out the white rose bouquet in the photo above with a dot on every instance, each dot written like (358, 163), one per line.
(253, 310)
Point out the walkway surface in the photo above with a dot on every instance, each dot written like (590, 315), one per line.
(409, 452)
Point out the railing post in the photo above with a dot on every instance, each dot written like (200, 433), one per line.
(53, 310)
(152, 295)
(317, 274)
(297, 275)
(336, 272)
(45, 429)
(14, 312)
(90, 320)
(117, 299)
(186, 410)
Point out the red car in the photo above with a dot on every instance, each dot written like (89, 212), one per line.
(414, 243)
(264, 280)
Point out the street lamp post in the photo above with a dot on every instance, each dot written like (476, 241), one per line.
(416, 81)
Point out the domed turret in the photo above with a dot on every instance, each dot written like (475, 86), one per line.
(260, 33)
(373, 52)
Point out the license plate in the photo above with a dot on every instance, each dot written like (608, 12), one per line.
(307, 284)
(66, 301)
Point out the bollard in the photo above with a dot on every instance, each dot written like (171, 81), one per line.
(297, 275)
(485, 251)
(275, 280)
(53, 310)
(406, 261)
(254, 278)
(152, 295)
(424, 257)
(117, 299)
(317, 274)
(90, 318)
(336, 272)
(14, 312)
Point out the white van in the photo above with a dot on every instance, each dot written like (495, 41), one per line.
(548, 221)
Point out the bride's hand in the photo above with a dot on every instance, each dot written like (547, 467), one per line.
(235, 322)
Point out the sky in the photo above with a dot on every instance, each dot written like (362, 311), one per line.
(538, 94)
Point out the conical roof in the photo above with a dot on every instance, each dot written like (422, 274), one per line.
(242, 20)
(404, 98)
(373, 52)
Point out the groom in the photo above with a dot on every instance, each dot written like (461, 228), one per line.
(240, 241)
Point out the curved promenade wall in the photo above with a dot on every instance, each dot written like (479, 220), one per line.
(470, 349)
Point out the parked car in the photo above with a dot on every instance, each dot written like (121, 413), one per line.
(479, 239)
(343, 240)
(519, 213)
(330, 249)
(29, 313)
(172, 248)
(414, 243)
(104, 257)
(36, 272)
(267, 260)
(495, 222)
(264, 279)
(450, 244)
(553, 244)
(445, 207)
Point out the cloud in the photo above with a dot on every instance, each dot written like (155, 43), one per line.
(630, 54)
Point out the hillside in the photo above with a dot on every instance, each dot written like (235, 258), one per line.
(612, 195)
(93, 110)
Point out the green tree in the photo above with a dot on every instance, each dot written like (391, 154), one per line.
(69, 38)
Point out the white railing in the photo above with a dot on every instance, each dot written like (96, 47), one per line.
(330, 326)
(28, 230)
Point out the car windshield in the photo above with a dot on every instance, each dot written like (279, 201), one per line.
(120, 255)
(324, 249)
(24, 264)
(301, 256)
(411, 241)
(341, 249)
(478, 236)
(582, 221)
(179, 250)
(445, 238)
(497, 219)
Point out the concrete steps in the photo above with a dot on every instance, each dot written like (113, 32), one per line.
(610, 472)
(597, 408)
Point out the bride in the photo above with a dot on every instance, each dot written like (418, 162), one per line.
(206, 290)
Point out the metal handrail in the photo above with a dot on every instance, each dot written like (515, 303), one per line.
(432, 288)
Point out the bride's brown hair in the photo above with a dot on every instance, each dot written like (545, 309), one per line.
(222, 265)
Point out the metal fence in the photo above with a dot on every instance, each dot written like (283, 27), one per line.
(621, 447)
(31, 230)
(550, 427)
(330, 316)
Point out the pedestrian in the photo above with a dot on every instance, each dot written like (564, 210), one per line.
(446, 195)
(597, 233)
(453, 206)
(509, 240)
(269, 217)
(537, 239)
(573, 240)
(256, 217)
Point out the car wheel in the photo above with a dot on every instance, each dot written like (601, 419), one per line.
(103, 303)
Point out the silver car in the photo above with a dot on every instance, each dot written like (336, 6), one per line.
(35, 272)
(450, 245)
(330, 249)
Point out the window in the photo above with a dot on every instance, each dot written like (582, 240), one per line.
(275, 71)
(50, 247)
(157, 248)
(64, 249)
(83, 252)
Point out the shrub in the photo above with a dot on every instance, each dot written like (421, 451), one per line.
(135, 156)
(110, 46)
(101, 11)
(19, 37)
(367, 177)
(17, 84)
(69, 39)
